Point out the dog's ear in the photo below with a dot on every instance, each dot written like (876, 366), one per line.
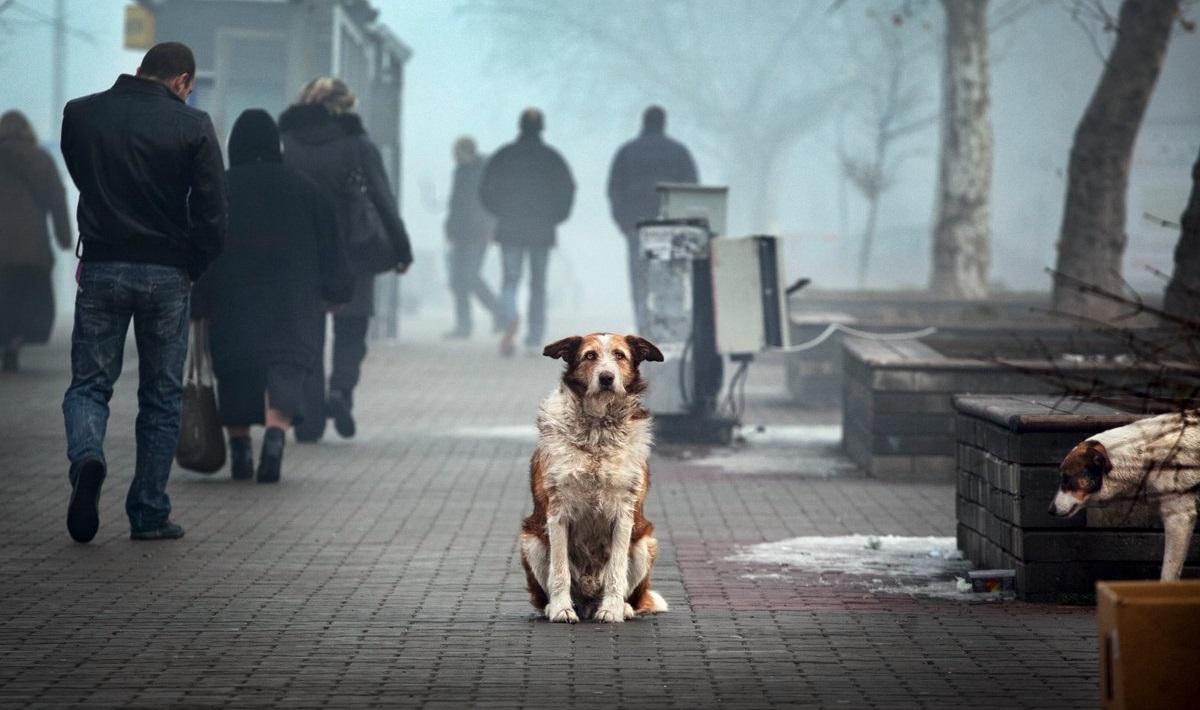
(563, 349)
(1097, 458)
(643, 349)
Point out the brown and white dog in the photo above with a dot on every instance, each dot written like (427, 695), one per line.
(587, 548)
(1155, 460)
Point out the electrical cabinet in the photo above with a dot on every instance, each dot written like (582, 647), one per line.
(750, 307)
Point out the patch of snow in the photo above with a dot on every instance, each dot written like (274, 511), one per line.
(830, 434)
(925, 566)
(515, 432)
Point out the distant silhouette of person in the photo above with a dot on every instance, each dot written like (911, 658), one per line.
(636, 170)
(528, 187)
(30, 189)
(468, 231)
(151, 218)
(325, 139)
(265, 296)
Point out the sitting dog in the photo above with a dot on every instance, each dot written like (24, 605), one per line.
(587, 549)
(1155, 460)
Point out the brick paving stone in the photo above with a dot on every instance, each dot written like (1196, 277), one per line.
(382, 572)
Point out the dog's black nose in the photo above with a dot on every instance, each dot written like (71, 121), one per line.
(606, 380)
(1053, 510)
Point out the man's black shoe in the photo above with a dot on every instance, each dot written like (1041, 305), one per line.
(166, 531)
(83, 512)
(241, 458)
(338, 407)
(270, 461)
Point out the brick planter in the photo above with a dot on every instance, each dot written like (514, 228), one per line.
(897, 402)
(1008, 452)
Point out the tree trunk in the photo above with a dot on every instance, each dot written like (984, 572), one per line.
(1183, 291)
(1092, 239)
(868, 240)
(962, 231)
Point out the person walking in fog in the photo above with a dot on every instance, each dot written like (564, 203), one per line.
(151, 218)
(265, 295)
(636, 170)
(324, 139)
(30, 189)
(468, 231)
(528, 187)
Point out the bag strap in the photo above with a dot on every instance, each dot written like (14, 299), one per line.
(192, 375)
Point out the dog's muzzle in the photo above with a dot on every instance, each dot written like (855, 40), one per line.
(606, 380)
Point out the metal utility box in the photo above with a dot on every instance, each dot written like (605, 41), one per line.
(748, 295)
(691, 202)
(672, 250)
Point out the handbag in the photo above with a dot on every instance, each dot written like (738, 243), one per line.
(369, 250)
(201, 445)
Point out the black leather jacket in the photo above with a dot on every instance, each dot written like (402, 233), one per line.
(150, 176)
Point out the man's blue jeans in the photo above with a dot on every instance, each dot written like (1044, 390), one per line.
(512, 258)
(156, 298)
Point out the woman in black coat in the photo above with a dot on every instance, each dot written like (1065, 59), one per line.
(266, 294)
(30, 190)
(324, 139)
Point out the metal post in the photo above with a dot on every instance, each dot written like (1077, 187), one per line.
(59, 70)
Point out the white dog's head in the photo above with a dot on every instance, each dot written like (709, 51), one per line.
(1082, 475)
(604, 366)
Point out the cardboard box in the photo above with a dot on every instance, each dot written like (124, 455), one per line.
(1149, 644)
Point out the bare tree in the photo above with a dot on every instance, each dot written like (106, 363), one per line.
(893, 105)
(1182, 297)
(752, 78)
(1092, 238)
(962, 228)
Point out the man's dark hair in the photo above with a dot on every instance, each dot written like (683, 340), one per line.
(531, 121)
(654, 119)
(168, 60)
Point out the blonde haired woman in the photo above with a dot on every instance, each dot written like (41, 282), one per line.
(324, 138)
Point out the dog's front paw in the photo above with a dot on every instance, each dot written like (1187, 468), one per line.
(611, 612)
(629, 612)
(562, 615)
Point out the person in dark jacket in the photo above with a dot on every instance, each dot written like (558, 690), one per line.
(265, 296)
(324, 139)
(528, 187)
(30, 189)
(636, 170)
(151, 218)
(468, 230)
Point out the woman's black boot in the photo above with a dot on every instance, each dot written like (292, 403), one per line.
(270, 461)
(241, 458)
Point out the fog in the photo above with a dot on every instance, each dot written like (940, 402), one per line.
(470, 76)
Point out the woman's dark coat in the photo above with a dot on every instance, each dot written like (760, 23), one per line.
(467, 221)
(328, 148)
(265, 294)
(30, 189)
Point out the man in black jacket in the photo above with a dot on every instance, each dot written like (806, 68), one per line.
(528, 187)
(636, 170)
(151, 218)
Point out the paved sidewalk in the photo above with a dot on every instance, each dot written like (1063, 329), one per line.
(383, 571)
